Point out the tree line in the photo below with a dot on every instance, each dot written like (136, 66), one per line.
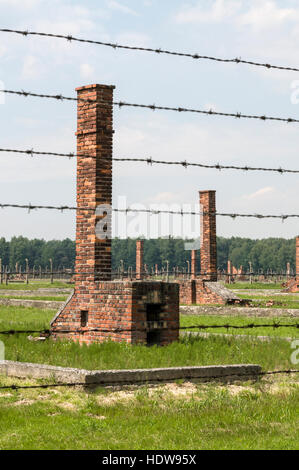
(267, 254)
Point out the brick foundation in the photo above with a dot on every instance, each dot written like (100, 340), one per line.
(97, 302)
(129, 305)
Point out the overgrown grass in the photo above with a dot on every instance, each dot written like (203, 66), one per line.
(255, 285)
(33, 285)
(34, 297)
(280, 301)
(190, 320)
(109, 355)
(245, 416)
(22, 318)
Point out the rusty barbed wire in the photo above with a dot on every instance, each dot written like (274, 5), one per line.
(150, 161)
(154, 107)
(31, 207)
(70, 38)
(227, 326)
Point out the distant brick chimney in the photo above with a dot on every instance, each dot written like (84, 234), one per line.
(139, 259)
(297, 258)
(208, 243)
(193, 264)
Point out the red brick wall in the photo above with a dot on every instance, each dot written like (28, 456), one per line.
(187, 292)
(208, 244)
(122, 305)
(205, 296)
(197, 292)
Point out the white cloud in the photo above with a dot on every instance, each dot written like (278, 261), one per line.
(267, 14)
(260, 193)
(113, 5)
(3, 50)
(219, 11)
(74, 26)
(21, 3)
(131, 39)
(87, 71)
(32, 67)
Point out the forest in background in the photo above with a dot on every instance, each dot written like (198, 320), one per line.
(267, 254)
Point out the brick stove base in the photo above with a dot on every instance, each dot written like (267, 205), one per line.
(197, 291)
(130, 305)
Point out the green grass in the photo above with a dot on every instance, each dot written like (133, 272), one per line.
(245, 416)
(281, 301)
(254, 285)
(109, 355)
(35, 297)
(262, 415)
(36, 285)
(190, 320)
(23, 318)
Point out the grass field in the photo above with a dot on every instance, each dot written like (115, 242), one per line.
(189, 320)
(280, 301)
(34, 285)
(55, 298)
(262, 415)
(109, 355)
(254, 285)
(250, 415)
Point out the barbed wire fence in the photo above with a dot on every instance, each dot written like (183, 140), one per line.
(154, 107)
(151, 161)
(196, 56)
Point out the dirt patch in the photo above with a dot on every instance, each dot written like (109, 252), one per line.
(90, 415)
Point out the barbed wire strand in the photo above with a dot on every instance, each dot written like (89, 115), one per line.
(32, 207)
(274, 325)
(70, 38)
(150, 161)
(156, 379)
(154, 107)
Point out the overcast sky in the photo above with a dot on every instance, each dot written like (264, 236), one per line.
(259, 30)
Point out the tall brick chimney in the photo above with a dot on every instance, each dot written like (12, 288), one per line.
(100, 309)
(94, 181)
(208, 244)
(193, 264)
(139, 259)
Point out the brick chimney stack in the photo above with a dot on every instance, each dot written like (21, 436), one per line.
(208, 243)
(94, 181)
(139, 259)
(193, 264)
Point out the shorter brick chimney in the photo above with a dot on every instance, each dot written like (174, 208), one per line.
(208, 242)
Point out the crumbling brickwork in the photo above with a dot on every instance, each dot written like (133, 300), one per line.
(97, 302)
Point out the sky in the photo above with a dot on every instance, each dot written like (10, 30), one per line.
(258, 30)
